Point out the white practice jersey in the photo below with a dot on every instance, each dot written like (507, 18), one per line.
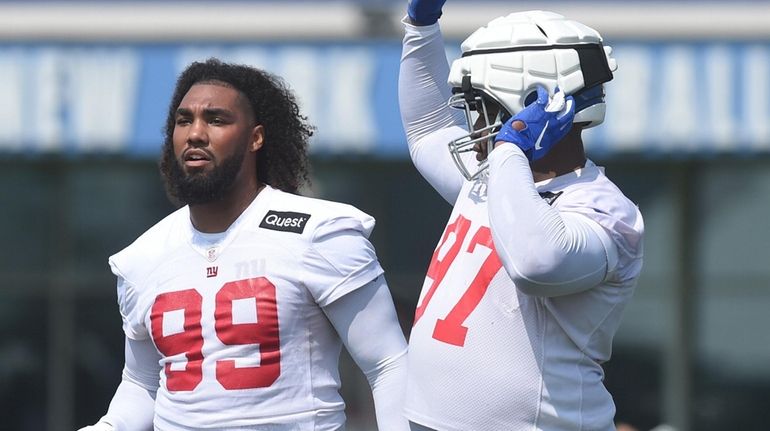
(237, 316)
(485, 356)
(484, 353)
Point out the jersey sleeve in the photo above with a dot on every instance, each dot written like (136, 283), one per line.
(547, 252)
(128, 304)
(340, 258)
(132, 265)
(430, 124)
(624, 226)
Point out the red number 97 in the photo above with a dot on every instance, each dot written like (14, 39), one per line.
(452, 329)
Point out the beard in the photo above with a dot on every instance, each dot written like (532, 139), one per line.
(198, 187)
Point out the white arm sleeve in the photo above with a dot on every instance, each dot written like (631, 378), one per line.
(366, 321)
(423, 93)
(133, 406)
(546, 252)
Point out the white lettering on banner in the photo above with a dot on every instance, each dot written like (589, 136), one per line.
(12, 101)
(720, 97)
(302, 69)
(628, 100)
(680, 97)
(46, 128)
(52, 96)
(251, 56)
(756, 97)
(102, 89)
(349, 88)
(677, 100)
(187, 56)
(689, 98)
(255, 57)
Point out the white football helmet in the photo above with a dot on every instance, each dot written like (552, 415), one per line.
(504, 62)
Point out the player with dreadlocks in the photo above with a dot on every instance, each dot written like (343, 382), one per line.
(235, 306)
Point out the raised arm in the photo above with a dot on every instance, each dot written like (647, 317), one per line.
(423, 93)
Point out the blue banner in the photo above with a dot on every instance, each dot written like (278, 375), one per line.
(704, 97)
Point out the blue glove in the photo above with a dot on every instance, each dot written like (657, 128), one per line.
(424, 12)
(547, 121)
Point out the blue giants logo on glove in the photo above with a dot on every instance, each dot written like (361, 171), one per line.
(547, 121)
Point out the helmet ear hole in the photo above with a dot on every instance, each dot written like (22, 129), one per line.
(530, 98)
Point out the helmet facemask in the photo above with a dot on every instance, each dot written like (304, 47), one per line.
(484, 118)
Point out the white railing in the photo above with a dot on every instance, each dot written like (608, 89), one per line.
(231, 20)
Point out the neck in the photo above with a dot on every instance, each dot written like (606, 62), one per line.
(566, 156)
(218, 216)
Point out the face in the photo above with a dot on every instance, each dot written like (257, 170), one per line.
(214, 132)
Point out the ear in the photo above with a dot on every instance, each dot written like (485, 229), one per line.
(257, 138)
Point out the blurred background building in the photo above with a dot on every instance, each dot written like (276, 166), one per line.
(84, 88)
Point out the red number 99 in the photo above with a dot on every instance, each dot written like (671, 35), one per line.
(190, 340)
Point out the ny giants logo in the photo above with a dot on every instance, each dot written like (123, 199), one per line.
(212, 271)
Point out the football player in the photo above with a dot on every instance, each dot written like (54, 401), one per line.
(235, 306)
(542, 251)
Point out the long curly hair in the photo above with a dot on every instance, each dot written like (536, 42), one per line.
(282, 162)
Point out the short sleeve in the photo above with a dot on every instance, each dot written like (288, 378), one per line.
(624, 224)
(128, 300)
(340, 257)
